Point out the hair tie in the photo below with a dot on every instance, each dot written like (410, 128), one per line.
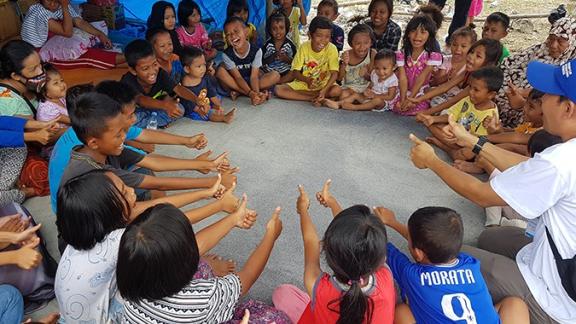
(357, 281)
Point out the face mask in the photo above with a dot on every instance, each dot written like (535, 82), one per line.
(36, 83)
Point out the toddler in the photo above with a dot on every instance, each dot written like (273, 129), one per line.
(279, 50)
(329, 9)
(163, 15)
(191, 31)
(197, 81)
(53, 98)
(294, 10)
(387, 32)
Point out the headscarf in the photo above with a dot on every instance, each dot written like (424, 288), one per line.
(514, 67)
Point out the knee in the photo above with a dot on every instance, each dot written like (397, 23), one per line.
(282, 292)
(403, 314)
(10, 296)
(221, 72)
(275, 77)
(281, 90)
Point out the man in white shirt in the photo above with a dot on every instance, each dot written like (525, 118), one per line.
(542, 188)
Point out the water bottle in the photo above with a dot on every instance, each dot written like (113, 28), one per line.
(153, 122)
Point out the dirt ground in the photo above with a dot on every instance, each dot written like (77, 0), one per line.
(522, 34)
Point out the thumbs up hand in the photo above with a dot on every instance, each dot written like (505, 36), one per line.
(421, 153)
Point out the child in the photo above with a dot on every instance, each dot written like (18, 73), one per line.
(191, 31)
(484, 52)
(279, 50)
(382, 89)
(416, 62)
(315, 67)
(496, 28)
(435, 13)
(329, 9)
(443, 285)
(361, 288)
(155, 87)
(453, 65)
(240, 9)
(197, 81)
(470, 111)
(242, 60)
(294, 11)
(167, 287)
(163, 15)
(164, 53)
(387, 32)
(53, 98)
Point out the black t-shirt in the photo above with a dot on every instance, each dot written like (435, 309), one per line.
(163, 87)
(205, 84)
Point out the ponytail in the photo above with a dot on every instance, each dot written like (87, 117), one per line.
(355, 306)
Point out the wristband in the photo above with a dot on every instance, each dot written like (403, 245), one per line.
(478, 146)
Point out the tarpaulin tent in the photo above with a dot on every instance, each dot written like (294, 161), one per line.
(211, 9)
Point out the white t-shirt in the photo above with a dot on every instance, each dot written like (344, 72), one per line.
(381, 87)
(85, 284)
(35, 24)
(545, 186)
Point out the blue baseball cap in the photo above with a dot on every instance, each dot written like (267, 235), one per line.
(557, 80)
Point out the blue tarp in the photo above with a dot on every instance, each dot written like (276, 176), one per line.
(215, 9)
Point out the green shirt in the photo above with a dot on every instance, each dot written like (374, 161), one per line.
(11, 104)
(505, 54)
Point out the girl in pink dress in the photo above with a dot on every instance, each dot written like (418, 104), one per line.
(416, 62)
(191, 31)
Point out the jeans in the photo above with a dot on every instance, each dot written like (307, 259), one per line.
(460, 14)
(11, 305)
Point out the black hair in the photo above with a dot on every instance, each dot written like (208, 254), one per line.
(493, 49)
(156, 18)
(85, 215)
(137, 50)
(491, 75)
(464, 31)
(118, 91)
(389, 4)
(535, 94)
(499, 17)
(432, 11)
(186, 9)
(233, 19)
(385, 54)
(329, 3)
(354, 245)
(361, 29)
(74, 92)
(189, 53)
(437, 231)
(277, 17)
(541, 140)
(48, 68)
(12, 56)
(319, 23)
(160, 243)
(152, 33)
(425, 22)
(90, 113)
(237, 6)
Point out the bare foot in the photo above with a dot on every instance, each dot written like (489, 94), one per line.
(220, 267)
(51, 318)
(229, 117)
(233, 95)
(468, 167)
(331, 104)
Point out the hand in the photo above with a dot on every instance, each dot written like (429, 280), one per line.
(414, 100)
(274, 226)
(309, 82)
(13, 224)
(229, 202)
(386, 215)
(421, 153)
(221, 163)
(457, 134)
(246, 317)
(43, 136)
(198, 142)
(324, 197)
(228, 178)
(105, 40)
(368, 93)
(303, 202)
(514, 96)
(283, 57)
(254, 97)
(217, 190)
(172, 108)
(425, 119)
(26, 235)
(243, 217)
(492, 123)
(346, 58)
(27, 257)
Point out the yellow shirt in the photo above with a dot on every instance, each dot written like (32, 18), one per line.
(471, 118)
(315, 65)
(294, 32)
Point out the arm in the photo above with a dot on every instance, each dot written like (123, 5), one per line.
(421, 79)
(326, 199)
(149, 136)
(254, 79)
(169, 105)
(509, 137)
(164, 184)
(244, 87)
(403, 83)
(302, 12)
(185, 93)
(259, 257)
(164, 163)
(449, 103)
(87, 27)
(388, 96)
(311, 248)
(331, 81)
(442, 88)
(63, 28)
(389, 219)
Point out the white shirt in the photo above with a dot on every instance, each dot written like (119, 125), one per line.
(85, 284)
(545, 186)
(35, 24)
(381, 87)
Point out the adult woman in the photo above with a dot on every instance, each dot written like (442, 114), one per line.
(559, 48)
(92, 222)
(50, 26)
(21, 77)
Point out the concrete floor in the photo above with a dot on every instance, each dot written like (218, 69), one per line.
(282, 144)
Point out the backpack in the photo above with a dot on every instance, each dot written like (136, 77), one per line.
(566, 268)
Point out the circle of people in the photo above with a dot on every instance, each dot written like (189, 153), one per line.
(129, 254)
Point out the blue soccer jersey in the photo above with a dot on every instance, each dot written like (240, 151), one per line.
(452, 293)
